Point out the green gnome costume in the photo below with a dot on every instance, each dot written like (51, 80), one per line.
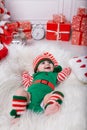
(38, 89)
(41, 80)
(42, 84)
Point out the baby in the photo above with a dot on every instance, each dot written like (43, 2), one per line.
(40, 94)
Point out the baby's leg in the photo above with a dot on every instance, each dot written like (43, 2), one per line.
(19, 103)
(52, 102)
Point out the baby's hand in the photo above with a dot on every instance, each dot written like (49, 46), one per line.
(64, 74)
(67, 71)
(25, 74)
(26, 79)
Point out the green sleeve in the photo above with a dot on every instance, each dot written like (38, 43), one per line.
(58, 69)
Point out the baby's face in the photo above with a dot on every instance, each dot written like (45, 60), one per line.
(46, 66)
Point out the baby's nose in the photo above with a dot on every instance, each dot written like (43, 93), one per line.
(47, 63)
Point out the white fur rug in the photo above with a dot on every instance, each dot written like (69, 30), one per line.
(73, 113)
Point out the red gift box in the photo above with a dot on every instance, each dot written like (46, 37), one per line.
(81, 11)
(59, 18)
(58, 31)
(79, 23)
(79, 38)
(12, 27)
(27, 34)
(6, 37)
(25, 26)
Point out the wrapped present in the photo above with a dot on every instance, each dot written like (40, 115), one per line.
(6, 37)
(79, 23)
(59, 18)
(79, 38)
(12, 26)
(58, 31)
(24, 26)
(84, 38)
(27, 34)
(81, 11)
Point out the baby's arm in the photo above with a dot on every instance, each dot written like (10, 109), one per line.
(63, 74)
(26, 79)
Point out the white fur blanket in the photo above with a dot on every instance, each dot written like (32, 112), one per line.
(73, 113)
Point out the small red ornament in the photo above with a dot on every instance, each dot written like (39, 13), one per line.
(3, 51)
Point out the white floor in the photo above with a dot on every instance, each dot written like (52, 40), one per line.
(66, 45)
(73, 113)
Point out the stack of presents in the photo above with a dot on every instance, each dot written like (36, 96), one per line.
(20, 29)
(13, 29)
(9, 29)
(59, 28)
(79, 27)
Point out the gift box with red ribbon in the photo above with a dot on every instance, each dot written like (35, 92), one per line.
(25, 27)
(79, 27)
(81, 11)
(12, 26)
(79, 38)
(6, 37)
(59, 18)
(58, 31)
(79, 22)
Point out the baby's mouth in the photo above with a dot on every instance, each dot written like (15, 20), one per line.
(47, 67)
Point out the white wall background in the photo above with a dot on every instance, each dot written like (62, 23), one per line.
(39, 11)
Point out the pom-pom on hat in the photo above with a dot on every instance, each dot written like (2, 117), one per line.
(42, 57)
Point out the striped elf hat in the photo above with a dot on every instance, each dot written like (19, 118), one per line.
(42, 57)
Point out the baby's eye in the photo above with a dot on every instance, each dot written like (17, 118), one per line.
(43, 62)
(49, 62)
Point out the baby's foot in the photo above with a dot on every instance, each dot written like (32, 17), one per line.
(15, 120)
(52, 108)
